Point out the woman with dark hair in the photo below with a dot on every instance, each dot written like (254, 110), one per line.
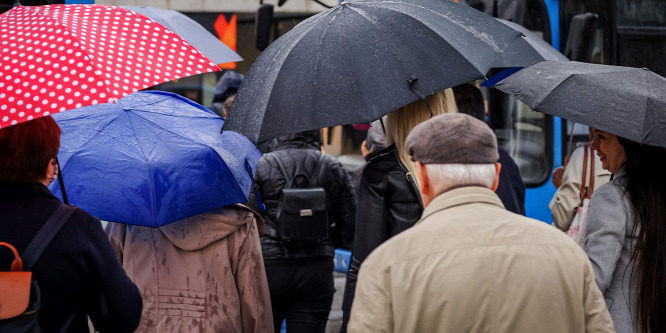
(626, 240)
(78, 274)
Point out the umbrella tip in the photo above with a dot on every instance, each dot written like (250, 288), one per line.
(16, 3)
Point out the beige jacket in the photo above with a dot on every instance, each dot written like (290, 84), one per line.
(471, 266)
(565, 202)
(201, 274)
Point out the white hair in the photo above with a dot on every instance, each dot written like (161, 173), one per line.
(444, 177)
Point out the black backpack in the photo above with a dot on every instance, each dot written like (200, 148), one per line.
(302, 213)
(27, 293)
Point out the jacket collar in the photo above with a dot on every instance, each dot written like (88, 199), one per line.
(13, 191)
(461, 196)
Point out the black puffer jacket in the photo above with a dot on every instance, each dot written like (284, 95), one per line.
(391, 204)
(299, 153)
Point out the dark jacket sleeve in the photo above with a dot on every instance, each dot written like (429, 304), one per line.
(369, 235)
(511, 189)
(389, 203)
(344, 211)
(114, 302)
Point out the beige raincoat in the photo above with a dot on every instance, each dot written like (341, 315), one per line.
(469, 265)
(201, 274)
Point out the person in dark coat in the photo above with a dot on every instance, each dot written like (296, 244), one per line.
(78, 274)
(388, 192)
(511, 189)
(300, 273)
(374, 143)
(225, 92)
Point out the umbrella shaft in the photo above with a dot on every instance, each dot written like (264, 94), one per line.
(62, 184)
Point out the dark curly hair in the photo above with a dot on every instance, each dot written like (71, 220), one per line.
(646, 189)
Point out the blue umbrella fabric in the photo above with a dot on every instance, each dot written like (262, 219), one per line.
(152, 158)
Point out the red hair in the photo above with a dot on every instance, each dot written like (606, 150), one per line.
(27, 148)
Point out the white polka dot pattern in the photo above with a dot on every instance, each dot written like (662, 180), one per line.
(59, 57)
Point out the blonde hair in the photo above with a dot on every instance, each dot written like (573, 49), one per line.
(401, 121)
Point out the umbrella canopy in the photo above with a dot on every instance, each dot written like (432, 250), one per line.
(60, 57)
(152, 158)
(629, 102)
(354, 63)
(191, 31)
(527, 50)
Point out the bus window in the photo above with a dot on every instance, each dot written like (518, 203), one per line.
(525, 134)
(644, 13)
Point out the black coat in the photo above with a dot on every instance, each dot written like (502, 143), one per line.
(299, 153)
(511, 189)
(79, 271)
(391, 204)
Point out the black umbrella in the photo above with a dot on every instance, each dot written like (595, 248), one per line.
(527, 50)
(361, 60)
(629, 102)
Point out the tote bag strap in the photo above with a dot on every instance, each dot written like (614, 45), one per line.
(590, 189)
(584, 180)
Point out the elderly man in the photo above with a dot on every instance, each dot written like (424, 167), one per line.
(469, 265)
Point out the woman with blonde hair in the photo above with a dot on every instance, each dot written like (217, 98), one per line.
(388, 197)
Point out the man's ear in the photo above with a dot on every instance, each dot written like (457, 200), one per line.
(423, 178)
(424, 181)
(498, 168)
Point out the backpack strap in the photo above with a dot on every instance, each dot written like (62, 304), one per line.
(45, 235)
(288, 179)
(315, 174)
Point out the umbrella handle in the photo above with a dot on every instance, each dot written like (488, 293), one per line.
(61, 182)
(412, 80)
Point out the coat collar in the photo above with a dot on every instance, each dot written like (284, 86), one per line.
(461, 196)
(13, 191)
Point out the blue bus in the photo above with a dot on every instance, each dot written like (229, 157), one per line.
(616, 32)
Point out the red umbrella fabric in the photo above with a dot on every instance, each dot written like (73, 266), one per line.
(59, 57)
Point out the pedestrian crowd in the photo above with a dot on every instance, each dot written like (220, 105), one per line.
(437, 246)
(434, 219)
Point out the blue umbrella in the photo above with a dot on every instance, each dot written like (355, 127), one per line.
(152, 158)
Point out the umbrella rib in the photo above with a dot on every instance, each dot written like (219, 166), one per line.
(462, 56)
(98, 132)
(148, 119)
(81, 147)
(487, 40)
(153, 197)
(647, 104)
(305, 31)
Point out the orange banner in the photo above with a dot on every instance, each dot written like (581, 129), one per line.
(226, 32)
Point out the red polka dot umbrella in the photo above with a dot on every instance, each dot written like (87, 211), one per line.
(60, 57)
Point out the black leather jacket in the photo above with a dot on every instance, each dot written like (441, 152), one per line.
(299, 153)
(391, 204)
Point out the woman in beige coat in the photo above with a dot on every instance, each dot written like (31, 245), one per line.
(201, 274)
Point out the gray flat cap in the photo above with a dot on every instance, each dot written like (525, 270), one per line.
(452, 138)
